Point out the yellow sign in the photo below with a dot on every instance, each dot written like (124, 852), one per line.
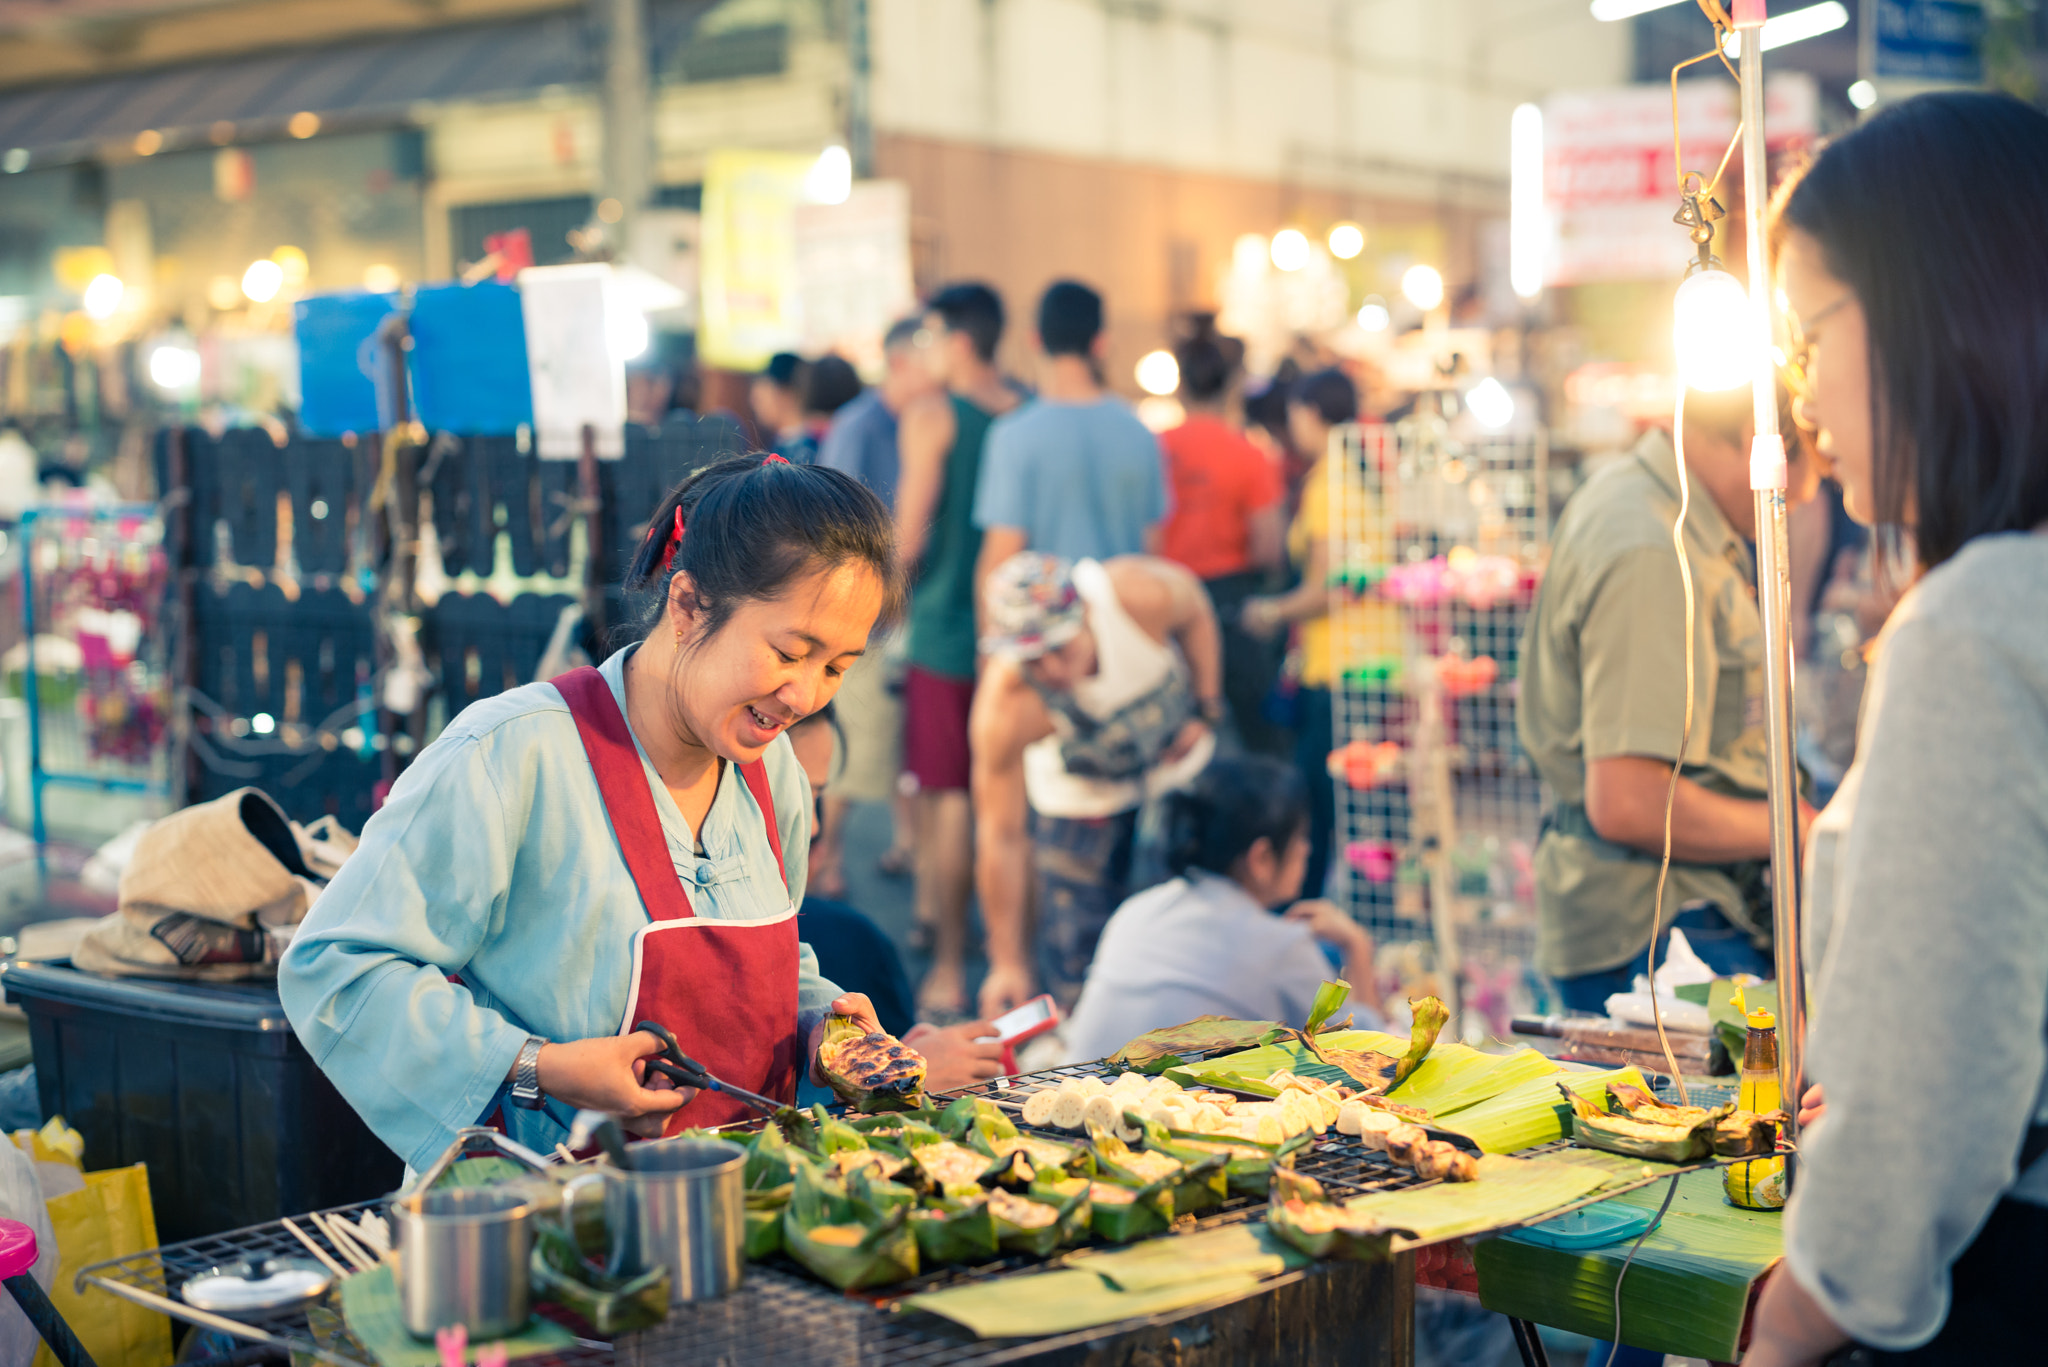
(750, 284)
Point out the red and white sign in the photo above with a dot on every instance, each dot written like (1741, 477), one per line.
(1609, 185)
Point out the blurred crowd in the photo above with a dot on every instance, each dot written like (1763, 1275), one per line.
(1106, 713)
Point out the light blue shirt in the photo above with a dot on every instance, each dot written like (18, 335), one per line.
(493, 859)
(862, 443)
(1082, 480)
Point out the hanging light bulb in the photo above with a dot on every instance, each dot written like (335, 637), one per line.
(1290, 249)
(1712, 332)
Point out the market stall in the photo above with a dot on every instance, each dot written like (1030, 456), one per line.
(1241, 1204)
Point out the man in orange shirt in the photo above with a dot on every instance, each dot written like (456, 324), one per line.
(1227, 524)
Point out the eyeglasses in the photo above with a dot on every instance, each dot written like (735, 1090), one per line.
(1798, 365)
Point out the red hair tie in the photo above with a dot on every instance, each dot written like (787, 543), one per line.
(773, 459)
(675, 544)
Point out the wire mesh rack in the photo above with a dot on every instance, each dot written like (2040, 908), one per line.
(1437, 535)
(778, 1313)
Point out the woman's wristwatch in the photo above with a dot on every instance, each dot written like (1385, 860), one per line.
(526, 1092)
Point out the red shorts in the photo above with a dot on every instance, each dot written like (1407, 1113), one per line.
(935, 729)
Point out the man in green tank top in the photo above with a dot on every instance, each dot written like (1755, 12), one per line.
(940, 445)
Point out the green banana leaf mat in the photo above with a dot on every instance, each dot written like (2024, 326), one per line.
(369, 1302)
(1686, 1294)
(1149, 1279)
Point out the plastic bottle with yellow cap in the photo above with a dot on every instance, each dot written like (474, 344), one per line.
(1757, 1183)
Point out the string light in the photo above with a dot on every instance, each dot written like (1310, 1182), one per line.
(1423, 286)
(1712, 332)
(1346, 241)
(1290, 249)
(1491, 404)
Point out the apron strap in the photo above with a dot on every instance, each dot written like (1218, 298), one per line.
(622, 783)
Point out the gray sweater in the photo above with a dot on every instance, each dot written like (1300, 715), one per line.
(1930, 1012)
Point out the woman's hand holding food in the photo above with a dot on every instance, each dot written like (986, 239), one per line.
(852, 1004)
(611, 1075)
(957, 1056)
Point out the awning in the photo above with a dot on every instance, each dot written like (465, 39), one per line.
(349, 84)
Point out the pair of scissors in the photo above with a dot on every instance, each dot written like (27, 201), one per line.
(679, 1068)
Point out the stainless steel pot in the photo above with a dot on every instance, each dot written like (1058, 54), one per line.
(462, 1259)
(682, 1206)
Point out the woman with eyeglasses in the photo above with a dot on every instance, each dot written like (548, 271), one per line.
(1909, 254)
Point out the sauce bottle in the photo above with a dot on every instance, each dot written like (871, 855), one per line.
(1757, 1183)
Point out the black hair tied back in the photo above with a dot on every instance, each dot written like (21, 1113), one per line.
(1231, 806)
(752, 526)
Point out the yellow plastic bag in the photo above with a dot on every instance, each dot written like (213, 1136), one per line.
(111, 1217)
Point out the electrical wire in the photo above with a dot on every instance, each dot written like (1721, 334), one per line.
(1684, 734)
(1614, 1345)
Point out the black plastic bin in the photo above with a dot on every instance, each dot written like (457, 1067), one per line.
(204, 1082)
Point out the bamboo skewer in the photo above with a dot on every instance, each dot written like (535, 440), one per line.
(332, 1266)
(357, 1245)
(342, 1243)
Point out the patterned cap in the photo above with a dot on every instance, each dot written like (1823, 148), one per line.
(1032, 605)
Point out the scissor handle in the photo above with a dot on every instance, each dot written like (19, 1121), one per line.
(670, 1049)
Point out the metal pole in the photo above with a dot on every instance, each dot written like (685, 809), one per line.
(860, 126)
(627, 168)
(1767, 479)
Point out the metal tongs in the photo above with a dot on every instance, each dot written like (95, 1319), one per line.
(679, 1068)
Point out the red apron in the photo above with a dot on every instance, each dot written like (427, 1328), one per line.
(726, 988)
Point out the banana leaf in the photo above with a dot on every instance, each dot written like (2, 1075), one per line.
(886, 1123)
(819, 1197)
(1244, 1249)
(901, 1139)
(1247, 1166)
(1531, 1112)
(1035, 1156)
(768, 1159)
(1456, 1076)
(764, 1209)
(1684, 1142)
(1302, 1215)
(800, 1128)
(1510, 1191)
(969, 1111)
(876, 1162)
(835, 1135)
(955, 1232)
(849, 1256)
(873, 1071)
(874, 1196)
(613, 1305)
(1156, 1050)
(1637, 1104)
(1688, 1288)
(1036, 1235)
(1197, 1186)
(1117, 1212)
(1430, 1017)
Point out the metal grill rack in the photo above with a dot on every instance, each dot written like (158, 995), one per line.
(779, 1312)
(1437, 536)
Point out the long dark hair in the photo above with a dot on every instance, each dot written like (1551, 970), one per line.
(751, 527)
(1231, 806)
(1933, 213)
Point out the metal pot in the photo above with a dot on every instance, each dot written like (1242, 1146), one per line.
(462, 1254)
(682, 1206)
(462, 1259)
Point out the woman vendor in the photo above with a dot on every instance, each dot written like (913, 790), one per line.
(620, 844)
(1909, 256)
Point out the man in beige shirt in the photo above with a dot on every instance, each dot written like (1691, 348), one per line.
(1602, 708)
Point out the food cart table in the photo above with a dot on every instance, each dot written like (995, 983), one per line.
(1689, 1290)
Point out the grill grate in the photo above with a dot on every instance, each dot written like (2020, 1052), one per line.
(779, 1313)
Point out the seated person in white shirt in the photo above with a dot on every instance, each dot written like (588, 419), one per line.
(1208, 940)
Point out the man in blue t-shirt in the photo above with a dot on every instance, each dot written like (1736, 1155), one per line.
(1073, 474)
(862, 440)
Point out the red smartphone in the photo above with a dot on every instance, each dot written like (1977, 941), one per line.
(1028, 1021)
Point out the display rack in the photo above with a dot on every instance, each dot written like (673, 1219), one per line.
(1438, 538)
(93, 576)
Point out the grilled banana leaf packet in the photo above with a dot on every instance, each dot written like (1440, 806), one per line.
(872, 1070)
(967, 1114)
(1035, 1157)
(1117, 1212)
(562, 1276)
(1247, 1166)
(951, 1231)
(1038, 1227)
(1304, 1217)
(1196, 1186)
(1685, 1142)
(823, 1230)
